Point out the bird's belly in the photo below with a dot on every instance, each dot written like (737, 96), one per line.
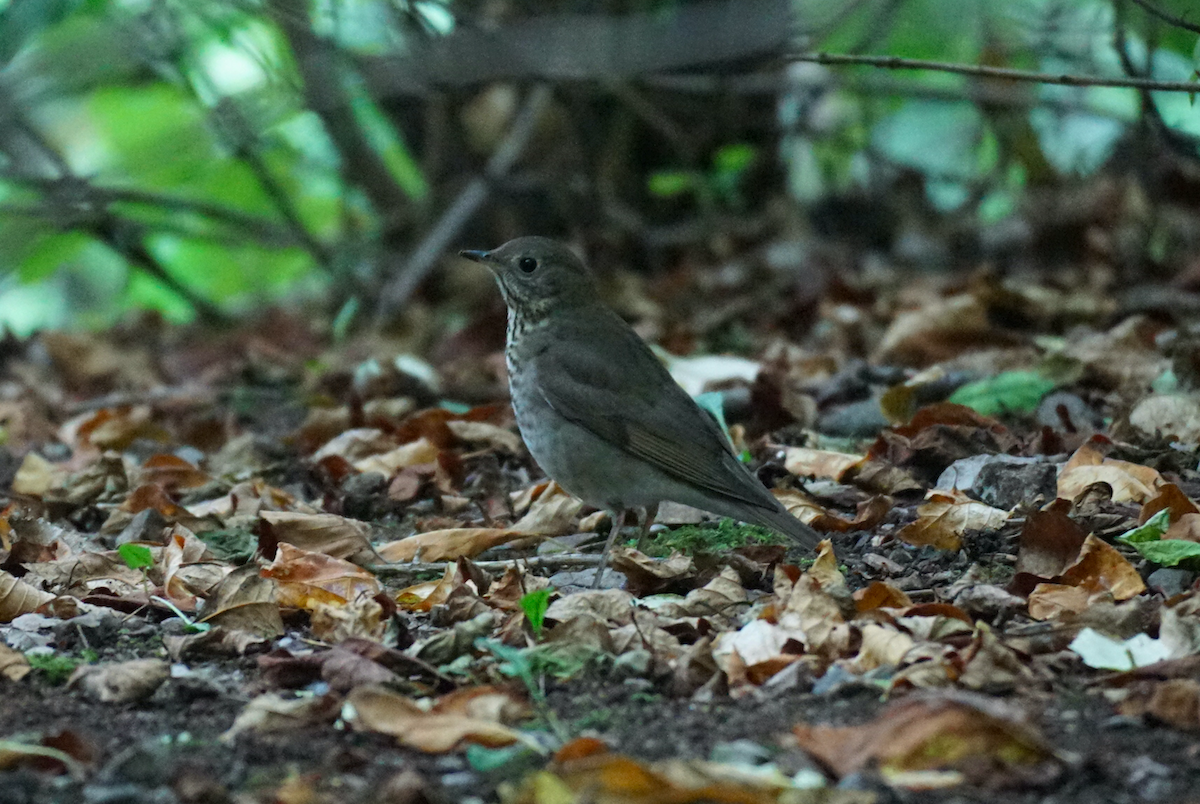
(586, 466)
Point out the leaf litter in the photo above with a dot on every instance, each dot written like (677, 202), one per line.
(358, 575)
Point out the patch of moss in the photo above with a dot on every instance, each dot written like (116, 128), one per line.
(723, 536)
(55, 668)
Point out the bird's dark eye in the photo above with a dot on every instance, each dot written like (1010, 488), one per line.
(527, 264)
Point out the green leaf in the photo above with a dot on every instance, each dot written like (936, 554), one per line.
(534, 605)
(1170, 552)
(1010, 392)
(136, 556)
(1151, 531)
(671, 183)
(734, 158)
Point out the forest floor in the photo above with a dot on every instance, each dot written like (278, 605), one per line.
(255, 566)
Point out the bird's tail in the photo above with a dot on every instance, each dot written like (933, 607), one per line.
(781, 521)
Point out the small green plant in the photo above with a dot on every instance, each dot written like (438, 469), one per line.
(534, 605)
(515, 662)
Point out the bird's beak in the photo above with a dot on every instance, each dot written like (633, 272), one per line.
(475, 256)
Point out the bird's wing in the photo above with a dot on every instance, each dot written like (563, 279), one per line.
(618, 390)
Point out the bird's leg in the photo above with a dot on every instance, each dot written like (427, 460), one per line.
(645, 520)
(618, 519)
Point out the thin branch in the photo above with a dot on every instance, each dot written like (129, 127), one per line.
(472, 197)
(243, 142)
(1165, 16)
(127, 239)
(260, 228)
(899, 63)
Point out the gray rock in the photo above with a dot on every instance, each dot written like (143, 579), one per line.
(1002, 481)
(1171, 581)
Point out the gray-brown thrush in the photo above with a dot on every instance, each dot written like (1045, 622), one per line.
(600, 413)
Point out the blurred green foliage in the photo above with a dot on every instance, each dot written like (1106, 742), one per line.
(176, 154)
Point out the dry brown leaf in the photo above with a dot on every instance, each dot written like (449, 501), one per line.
(362, 617)
(172, 473)
(583, 770)
(13, 664)
(36, 476)
(424, 596)
(388, 463)
(971, 738)
(1170, 497)
(946, 516)
(475, 717)
(880, 595)
(446, 545)
(551, 512)
(612, 605)
(245, 601)
(120, 682)
(276, 712)
(804, 462)
(1174, 701)
(1100, 568)
(336, 536)
(1050, 541)
(304, 579)
(882, 646)
(490, 435)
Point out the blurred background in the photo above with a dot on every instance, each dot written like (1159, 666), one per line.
(208, 159)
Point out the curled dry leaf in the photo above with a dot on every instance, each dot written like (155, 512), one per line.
(1130, 482)
(612, 605)
(1098, 572)
(946, 516)
(354, 445)
(388, 463)
(279, 712)
(490, 435)
(1049, 542)
(476, 716)
(18, 597)
(880, 595)
(120, 682)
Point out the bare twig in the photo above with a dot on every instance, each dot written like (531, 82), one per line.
(472, 197)
(551, 563)
(898, 63)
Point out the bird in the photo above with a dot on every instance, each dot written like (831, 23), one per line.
(601, 414)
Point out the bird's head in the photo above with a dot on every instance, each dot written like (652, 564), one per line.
(537, 275)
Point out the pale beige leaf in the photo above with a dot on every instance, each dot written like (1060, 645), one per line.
(18, 597)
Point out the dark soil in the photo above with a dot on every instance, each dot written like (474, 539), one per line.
(170, 748)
